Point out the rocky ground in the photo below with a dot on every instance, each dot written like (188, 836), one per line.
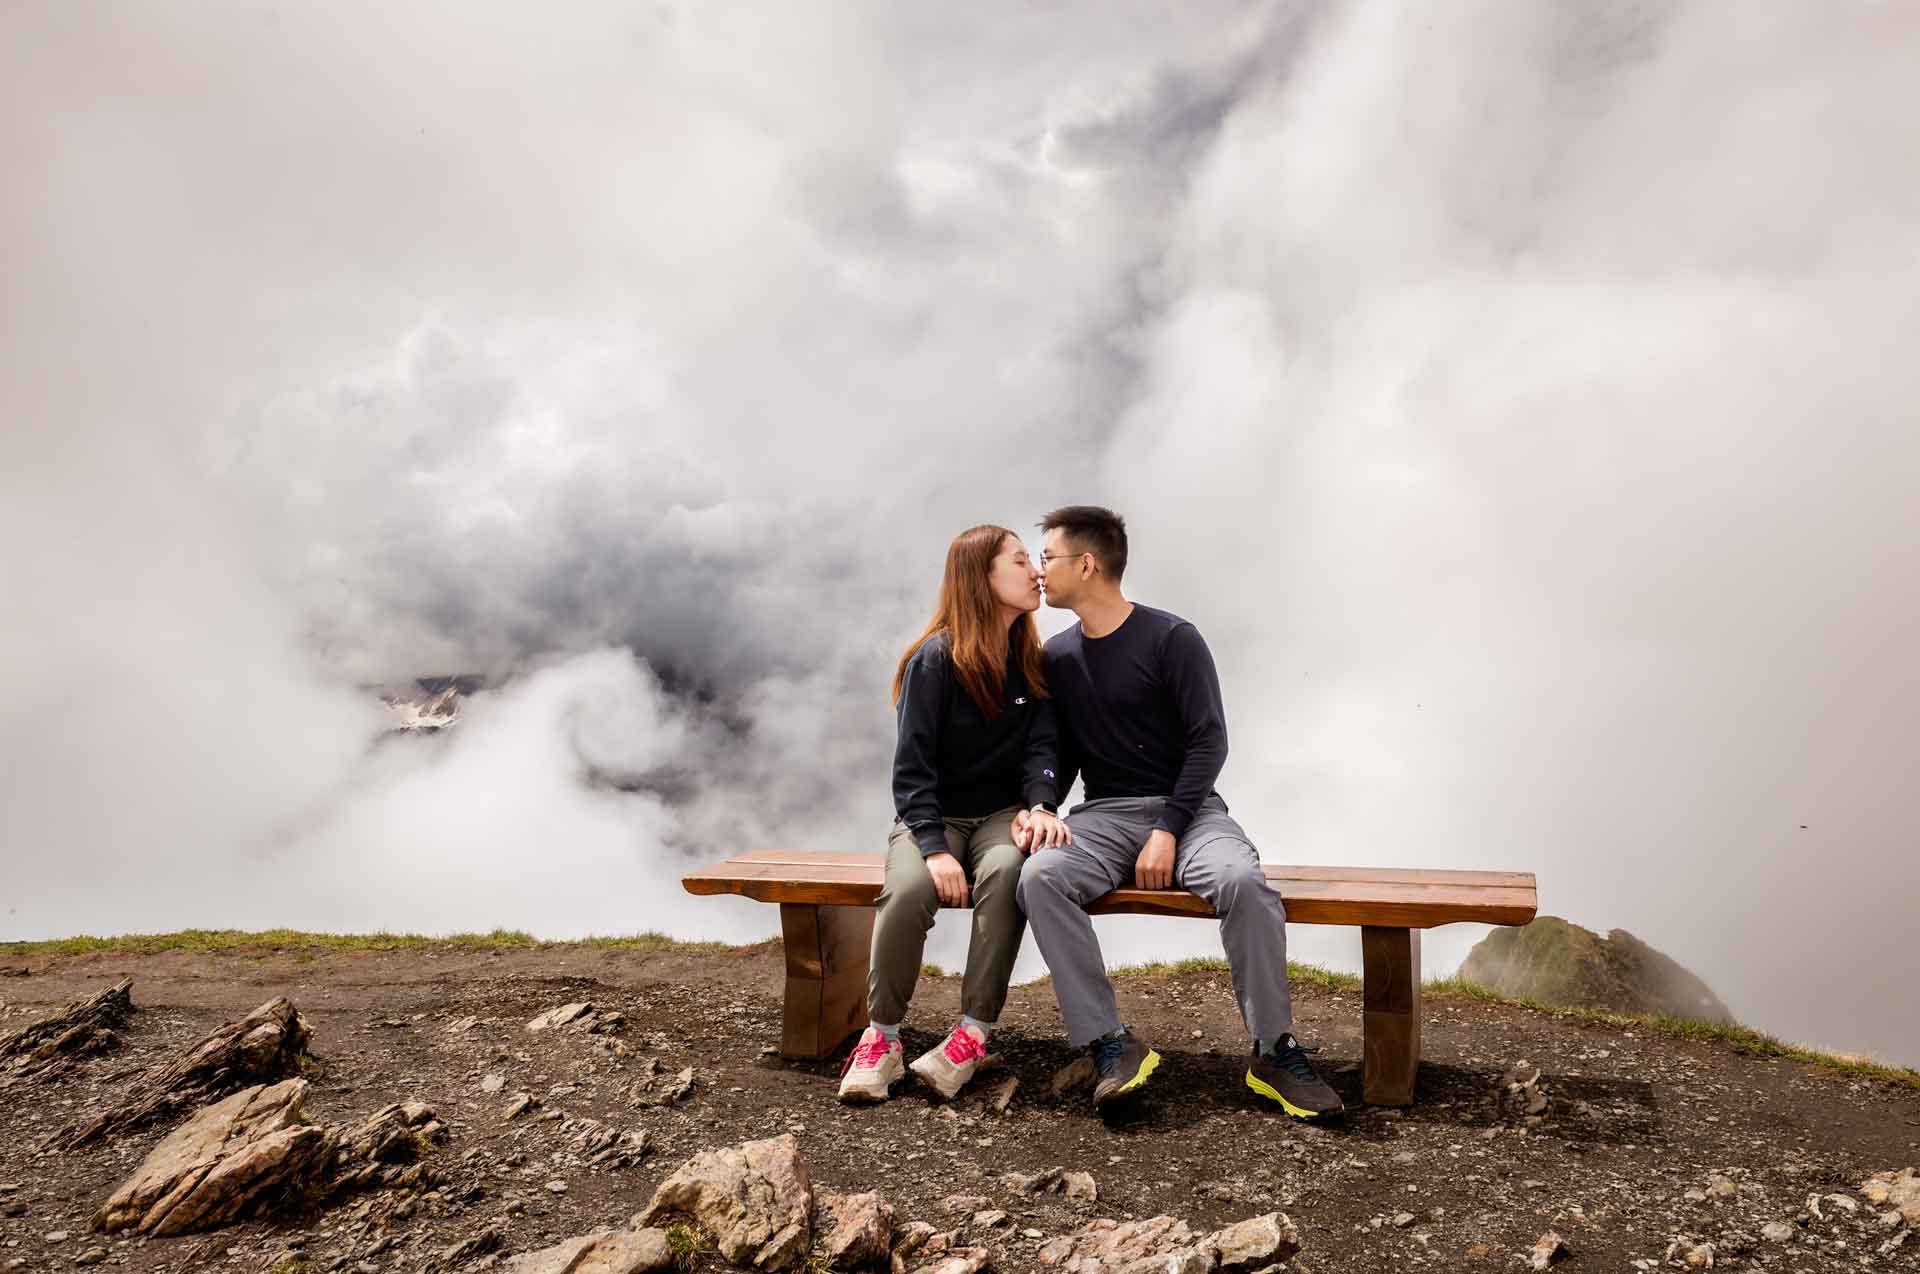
(1636, 1149)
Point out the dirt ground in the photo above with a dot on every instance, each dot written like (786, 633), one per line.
(1621, 1166)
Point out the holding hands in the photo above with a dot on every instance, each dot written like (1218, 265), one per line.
(1037, 829)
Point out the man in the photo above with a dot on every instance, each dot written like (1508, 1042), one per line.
(1141, 720)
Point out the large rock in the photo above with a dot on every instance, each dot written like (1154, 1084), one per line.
(47, 1048)
(1552, 960)
(1899, 1190)
(602, 1252)
(260, 1048)
(1102, 1245)
(232, 1160)
(1255, 1242)
(858, 1228)
(756, 1199)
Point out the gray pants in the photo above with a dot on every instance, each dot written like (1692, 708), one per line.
(908, 905)
(1214, 860)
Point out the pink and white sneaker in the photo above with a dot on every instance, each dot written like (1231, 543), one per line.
(872, 1067)
(947, 1068)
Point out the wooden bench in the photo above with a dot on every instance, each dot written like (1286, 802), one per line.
(826, 919)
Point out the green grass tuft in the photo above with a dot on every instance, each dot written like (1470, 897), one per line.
(686, 1241)
(303, 945)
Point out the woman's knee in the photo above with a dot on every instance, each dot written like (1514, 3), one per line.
(910, 894)
(999, 867)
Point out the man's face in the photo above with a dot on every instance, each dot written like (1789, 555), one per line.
(1063, 572)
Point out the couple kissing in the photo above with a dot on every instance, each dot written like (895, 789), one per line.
(993, 730)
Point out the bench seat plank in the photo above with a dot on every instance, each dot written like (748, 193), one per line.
(1392, 897)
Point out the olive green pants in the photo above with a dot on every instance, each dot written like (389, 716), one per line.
(908, 905)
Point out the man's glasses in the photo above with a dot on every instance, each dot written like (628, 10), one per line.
(1048, 559)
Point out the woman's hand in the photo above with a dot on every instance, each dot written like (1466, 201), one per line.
(949, 881)
(1037, 829)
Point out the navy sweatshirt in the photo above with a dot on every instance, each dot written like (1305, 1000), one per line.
(1140, 712)
(949, 761)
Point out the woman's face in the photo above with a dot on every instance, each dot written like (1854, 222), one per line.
(1012, 578)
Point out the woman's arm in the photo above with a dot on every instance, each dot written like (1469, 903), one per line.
(916, 750)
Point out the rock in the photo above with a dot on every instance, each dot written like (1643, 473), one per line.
(657, 1088)
(1401, 1220)
(1079, 1185)
(1699, 1257)
(479, 1245)
(991, 1218)
(493, 1083)
(755, 1199)
(602, 1252)
(1078, 1073)
(603, 1146)
(954, 1204)
(460, 1026)
(49, 1047)
(92, 1256)
(1552, 960)
(961, 1260)
(556, 1187)
(262, 1047)
(1898, 1190)
(858, 1228)
(1255, 1241)
(1547, 1249)
(1002, 1094)
(1075, 1185)
(229, 1161)
(1102, 1244)
(1721, 1187)
(520, 1105)
(396, 1133)
(56, 1236)
(562, 1016)
(1777, 1232)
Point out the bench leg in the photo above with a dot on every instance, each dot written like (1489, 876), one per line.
(1391, 1020)
(827, 952)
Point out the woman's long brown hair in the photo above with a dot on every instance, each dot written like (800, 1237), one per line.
(970, 617)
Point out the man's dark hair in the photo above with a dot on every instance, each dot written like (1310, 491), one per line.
(1095, 530)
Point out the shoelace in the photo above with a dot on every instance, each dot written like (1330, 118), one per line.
(867, 1052)
(1107, 1051)
(1293, 1059)
(963, 1048)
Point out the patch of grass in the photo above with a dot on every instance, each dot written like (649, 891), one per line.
(1309, 973)
(292, 1265)
(1742, 1039)
(304, 944)
(932, 971)
(686, 1241)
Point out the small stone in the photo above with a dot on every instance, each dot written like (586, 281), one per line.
(1547, 1249)
(520, 1105)
(1777, 1232)
(1002, 1095)
(557, 1187)
(1080, 1185)
(1198, 1033)
(559, 1017)
(1078, 1073)
(493, 1083)
(1699, 1257)
(1721, 1187)
(92, 1256)
(990, 1219)
(1031, 1233)
(56, 1236)
(1401, 1220)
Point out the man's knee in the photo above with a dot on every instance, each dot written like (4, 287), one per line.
(1041, 874)
(1237, 876)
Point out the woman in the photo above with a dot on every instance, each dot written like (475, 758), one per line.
(977, 745)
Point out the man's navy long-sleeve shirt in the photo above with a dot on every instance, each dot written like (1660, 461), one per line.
(1140, 712)
(949, 761)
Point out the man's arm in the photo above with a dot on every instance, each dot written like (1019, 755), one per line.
(1187, 665)
(916, 750)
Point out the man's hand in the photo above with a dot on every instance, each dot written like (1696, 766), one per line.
(949, 881)
(1037, 829)
(1154, 868)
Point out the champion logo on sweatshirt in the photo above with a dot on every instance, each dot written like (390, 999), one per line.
(1017, 702)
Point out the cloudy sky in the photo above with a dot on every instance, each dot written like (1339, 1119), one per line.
(1521, 399)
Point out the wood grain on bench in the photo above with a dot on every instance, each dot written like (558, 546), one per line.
(1391, 896)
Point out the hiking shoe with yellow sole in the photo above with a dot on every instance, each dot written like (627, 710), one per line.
(1287, 1077)
(1123, 1063)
